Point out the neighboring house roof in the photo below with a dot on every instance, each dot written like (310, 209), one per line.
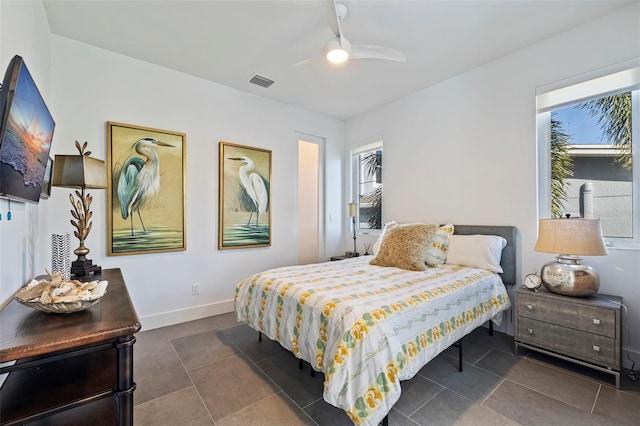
(595, 150)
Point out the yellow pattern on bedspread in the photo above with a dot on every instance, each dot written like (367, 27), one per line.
(368, 327)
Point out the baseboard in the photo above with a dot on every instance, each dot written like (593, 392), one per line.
(183, 315)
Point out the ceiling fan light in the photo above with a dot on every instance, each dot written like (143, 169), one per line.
(337, 49)
(337, 56)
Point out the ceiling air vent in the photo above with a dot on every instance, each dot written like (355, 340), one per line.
(261, 81)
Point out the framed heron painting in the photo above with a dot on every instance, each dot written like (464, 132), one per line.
(146, 196)
(244, 218)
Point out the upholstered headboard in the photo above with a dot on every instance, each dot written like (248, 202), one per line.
(508, 261)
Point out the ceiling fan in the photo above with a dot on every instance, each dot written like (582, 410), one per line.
(338, 49)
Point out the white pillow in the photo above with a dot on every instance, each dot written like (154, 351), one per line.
(476, 251)
(387, 226)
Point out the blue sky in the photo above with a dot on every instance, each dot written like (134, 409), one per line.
(578, 123)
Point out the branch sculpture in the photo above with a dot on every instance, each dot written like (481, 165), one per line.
(81, 211)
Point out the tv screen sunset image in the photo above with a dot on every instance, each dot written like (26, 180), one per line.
(26, 141)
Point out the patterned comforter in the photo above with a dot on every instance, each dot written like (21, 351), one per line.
(368, 327)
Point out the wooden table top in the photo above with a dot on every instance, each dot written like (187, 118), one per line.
(25, 332)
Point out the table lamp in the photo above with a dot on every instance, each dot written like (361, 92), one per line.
(353, 213)
(80, 172)
(570, 238)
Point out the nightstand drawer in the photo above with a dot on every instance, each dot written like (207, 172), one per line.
(565, 313)
(579, 344)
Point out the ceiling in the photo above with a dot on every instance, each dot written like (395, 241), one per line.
(229, 41)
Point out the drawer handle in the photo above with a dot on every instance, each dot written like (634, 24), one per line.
(530, 307)
(596, 321)
(530, 330)
(596, 348)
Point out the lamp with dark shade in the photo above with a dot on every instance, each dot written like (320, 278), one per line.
(570, 239)
(80, 172)
(353, 213)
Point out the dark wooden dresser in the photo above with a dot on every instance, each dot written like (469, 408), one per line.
(70, 368)
(583, 330)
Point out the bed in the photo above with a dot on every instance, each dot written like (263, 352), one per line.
(369, 327)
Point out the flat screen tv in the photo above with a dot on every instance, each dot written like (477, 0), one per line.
(26, 131)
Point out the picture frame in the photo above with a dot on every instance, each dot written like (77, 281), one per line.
(146, 190)
(244, 219)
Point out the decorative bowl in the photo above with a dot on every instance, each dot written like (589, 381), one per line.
(62, 307)
(68, 307)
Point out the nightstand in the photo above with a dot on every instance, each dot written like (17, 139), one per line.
(583, 330)
(339, 257)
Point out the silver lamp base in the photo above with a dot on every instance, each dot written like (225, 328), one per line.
(567, 276)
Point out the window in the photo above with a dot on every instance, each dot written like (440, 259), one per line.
(588, 148)
(366, 172)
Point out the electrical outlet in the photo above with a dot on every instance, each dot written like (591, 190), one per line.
(195, 289)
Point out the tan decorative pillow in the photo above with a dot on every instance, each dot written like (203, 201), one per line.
(439, 245)
(405, 247)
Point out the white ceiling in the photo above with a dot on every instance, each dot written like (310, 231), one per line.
(229, 41)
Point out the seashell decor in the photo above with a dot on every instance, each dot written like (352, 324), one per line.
(56, 295)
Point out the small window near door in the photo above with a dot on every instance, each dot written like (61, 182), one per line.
(366, 163)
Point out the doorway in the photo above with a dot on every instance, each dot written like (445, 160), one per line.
(309, 203)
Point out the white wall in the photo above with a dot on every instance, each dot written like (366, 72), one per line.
(464, 151)
(24, 31)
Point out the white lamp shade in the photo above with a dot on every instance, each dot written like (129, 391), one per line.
(577, 237)
(353, 210)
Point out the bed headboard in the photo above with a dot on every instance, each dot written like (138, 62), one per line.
(508, 261)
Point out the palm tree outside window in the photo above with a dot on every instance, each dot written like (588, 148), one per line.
(367, 178)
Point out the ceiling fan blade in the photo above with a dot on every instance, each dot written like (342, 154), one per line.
(362, 51)
(307, 61)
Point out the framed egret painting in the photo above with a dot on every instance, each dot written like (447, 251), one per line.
(146, 195)
(244, 219)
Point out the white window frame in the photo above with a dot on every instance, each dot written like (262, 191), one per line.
(355, 182)
(584, 88)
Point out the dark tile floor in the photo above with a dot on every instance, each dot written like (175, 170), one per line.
(215, 372)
